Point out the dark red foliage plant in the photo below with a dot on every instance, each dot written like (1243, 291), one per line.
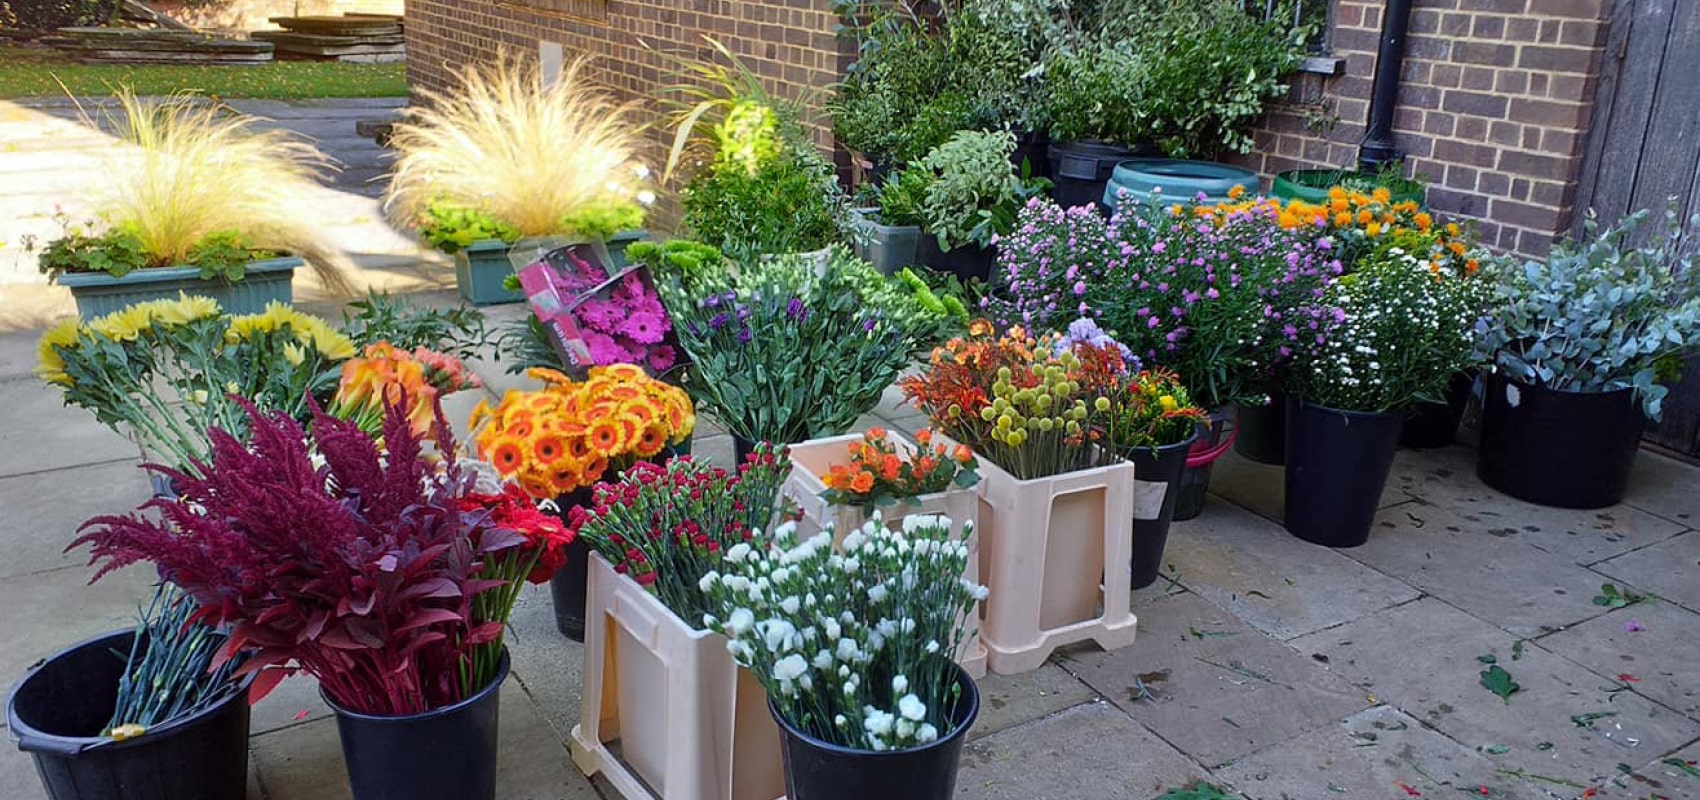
(365, 570)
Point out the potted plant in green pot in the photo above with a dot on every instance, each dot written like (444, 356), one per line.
(1313, 185)
(195, 199)
(969, 194)
(558, 442)
(782, 351)
(387, 576)
(871, 705)
(506, 156)
(1578, 348)
(1400, 327)
(141, 714)
(665, 706)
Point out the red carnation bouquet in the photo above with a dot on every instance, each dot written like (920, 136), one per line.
(379, 571)
(667, 526)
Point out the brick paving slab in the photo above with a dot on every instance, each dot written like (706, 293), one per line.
(50, 506)
(1089, 751)
(1668, 569)
(1664, 657)
(1010, 700)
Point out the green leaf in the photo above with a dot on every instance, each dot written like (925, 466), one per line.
(1587, 720)
(1487, 659)
(1495, 679)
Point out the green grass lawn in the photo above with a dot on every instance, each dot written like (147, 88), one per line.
(34, 72)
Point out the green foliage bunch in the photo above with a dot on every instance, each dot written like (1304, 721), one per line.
(459, 331)
(968, 192)
(1602, 314)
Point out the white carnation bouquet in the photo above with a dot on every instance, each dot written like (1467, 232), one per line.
(854, 646)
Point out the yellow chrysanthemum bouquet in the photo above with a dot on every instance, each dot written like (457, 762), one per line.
(164, 372)
(571, 434)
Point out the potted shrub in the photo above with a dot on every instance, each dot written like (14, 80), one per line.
(968, 194)
(1402, 325)
(783, 351)
(1578, 348)
(1152, 423)
(386, 575)
(144, 371)
(1057, 506)
(660, 688)
(141, 714)
(902, 96)
(556, 443)
(196, 200)
(506, 155)
(1097, 115)
(871, 705)
(757, 184)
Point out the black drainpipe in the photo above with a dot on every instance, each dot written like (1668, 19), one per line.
(1378, 148)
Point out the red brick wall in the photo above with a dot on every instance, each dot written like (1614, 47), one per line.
(1493, 109)
(789, 43)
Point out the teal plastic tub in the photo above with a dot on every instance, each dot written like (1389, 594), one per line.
(480, 270)
(1179, 181)
(98, 294)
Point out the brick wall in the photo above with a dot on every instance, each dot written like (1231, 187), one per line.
(789, 43)
(1494, 104)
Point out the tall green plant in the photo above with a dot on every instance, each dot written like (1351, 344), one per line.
(173, 670)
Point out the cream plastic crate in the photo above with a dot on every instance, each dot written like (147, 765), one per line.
(1044, 546)
(666, 714)
(812, 460)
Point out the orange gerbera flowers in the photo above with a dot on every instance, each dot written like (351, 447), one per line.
(568, 434)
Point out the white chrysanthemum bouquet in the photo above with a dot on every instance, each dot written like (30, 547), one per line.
(855, 646)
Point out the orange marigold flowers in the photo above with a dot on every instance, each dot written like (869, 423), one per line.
(1236, 192)
(566, 435)
(1365, 217)
(1423, 221)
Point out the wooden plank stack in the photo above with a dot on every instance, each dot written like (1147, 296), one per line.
(363, 38)
(164, 46)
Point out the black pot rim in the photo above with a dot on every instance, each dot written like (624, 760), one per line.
(157, 733)
(1522, 384)
(971, 695)
(1352, 414)
(390, 719)
(1127, 452)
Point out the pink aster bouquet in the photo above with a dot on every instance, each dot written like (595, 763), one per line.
(620, 316)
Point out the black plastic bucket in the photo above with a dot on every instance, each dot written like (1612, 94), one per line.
(57, 711)
(448, 752)
(1432, 425)
(568, 585)
(1154, 470)
(1213, 441)
(1337, 467)
(967, 262)
(1080, 170)
(1033, 153)
(1263, 431)
(817, 770)
(1558, 448)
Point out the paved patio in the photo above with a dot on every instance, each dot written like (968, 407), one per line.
(1285, 670)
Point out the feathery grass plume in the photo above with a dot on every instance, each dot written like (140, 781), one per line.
(505, 142)
(197, 169)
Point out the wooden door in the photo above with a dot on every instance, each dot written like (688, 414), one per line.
(1644, 148)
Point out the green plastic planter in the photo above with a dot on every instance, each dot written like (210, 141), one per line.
(888, 247)
(480, 270)
(1312, 185)
(98, 293)
(1177, 180)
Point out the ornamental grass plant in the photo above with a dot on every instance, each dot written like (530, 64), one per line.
(507, 154)
(196, 183)
(165, 371)
(854, 646)
(667, 526)
(362, 566)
